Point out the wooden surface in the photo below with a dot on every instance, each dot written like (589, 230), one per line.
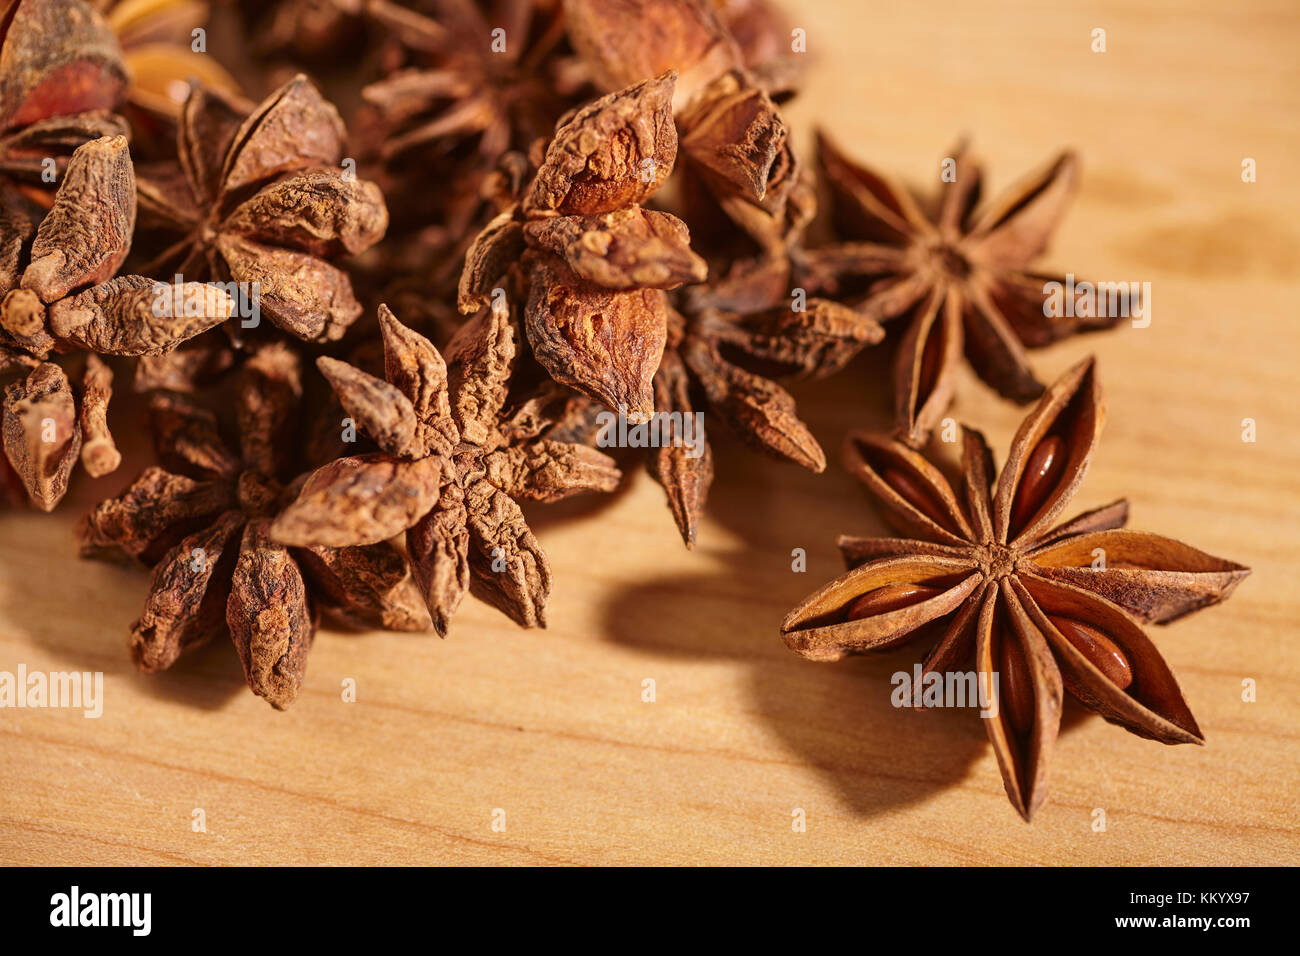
(550, 726)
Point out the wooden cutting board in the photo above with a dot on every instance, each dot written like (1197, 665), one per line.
(546, 734)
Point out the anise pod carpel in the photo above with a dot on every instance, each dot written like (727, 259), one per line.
(46, 425)
(731, 129)
(685, 474)
(612, 153)
(41, 434)
(626, 249)
(603, 343)
(735, 134)
(991, 575)
(959, 277)
(731, 361)
(87, 233)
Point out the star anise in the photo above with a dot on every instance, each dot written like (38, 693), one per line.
(261, 200)
(466, 83)
(592, 260)
(730, 362)
(202, 521)
(958, 275)
(738, 166)
(60, 75)
(66, 301)
(1038, 605)
(450, 470)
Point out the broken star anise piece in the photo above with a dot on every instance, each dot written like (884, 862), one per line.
(261, 200)
(959, 276)
(202, 521)
(450, 471)
(1041, 607)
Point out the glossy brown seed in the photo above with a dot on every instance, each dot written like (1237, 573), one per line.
(891, 597)
(1042, 472)
(915, 494)
(1101, 651)
(1015, 688)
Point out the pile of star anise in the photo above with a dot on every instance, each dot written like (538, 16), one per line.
(361, 344)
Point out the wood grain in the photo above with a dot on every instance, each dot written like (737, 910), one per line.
(550, 726)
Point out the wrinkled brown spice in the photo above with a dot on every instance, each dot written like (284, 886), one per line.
(261, 198)
(454, 460)
(202, 522)
(989, 571)
(594, 262)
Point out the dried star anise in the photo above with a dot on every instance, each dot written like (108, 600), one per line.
(468, 84)
(992, 577)
(449, 472)
(593, 260)
(730, 360)
(81, 241)
(60, 74)
(959, 276)
(738, 166)
(60, 70)
(261, 200)
(202, 521)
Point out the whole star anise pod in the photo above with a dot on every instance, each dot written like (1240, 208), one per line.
(202, 520)
(730, 362)
(592, 261)
(959, 275)
(1039, 606)
(450, 470)
(262, 200)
